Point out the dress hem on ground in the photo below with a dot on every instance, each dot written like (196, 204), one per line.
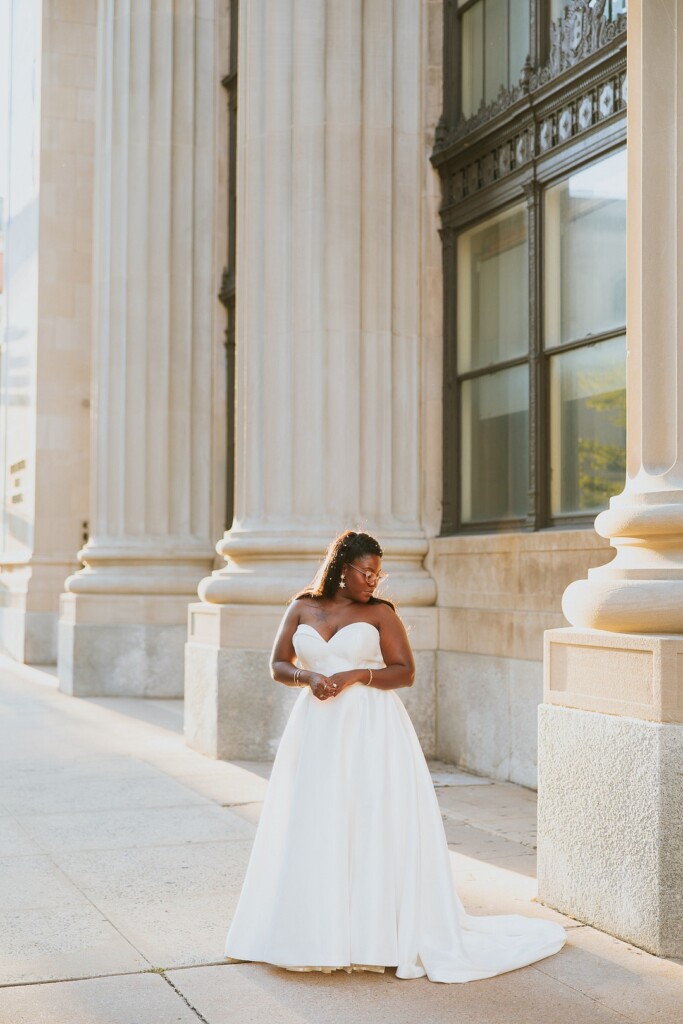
(349, 968)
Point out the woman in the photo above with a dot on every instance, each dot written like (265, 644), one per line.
(350, 866)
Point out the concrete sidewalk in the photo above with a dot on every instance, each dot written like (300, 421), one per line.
(121, 858)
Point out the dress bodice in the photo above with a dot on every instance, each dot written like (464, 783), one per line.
(355, 645)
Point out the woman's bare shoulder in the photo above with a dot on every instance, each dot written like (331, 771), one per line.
(383, 613)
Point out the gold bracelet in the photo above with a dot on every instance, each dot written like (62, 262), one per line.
(296, 677)
(370, 679)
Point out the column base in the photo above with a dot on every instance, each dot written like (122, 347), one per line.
(29, 595)
(28, 637)
(610, 846)
(234, 710)
(121, 646)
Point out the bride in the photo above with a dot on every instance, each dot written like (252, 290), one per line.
(350, 866)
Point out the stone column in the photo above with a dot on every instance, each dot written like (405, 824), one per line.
(611, 728)
(332, 171)
(122, 616)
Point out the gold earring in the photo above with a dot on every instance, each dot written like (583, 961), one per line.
(342, 585)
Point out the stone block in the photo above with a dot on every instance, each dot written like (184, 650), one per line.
(486, 720)
(610, 845)
(639, 675)
(132, 660)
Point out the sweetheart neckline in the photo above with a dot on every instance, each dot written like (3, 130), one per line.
(358, 622)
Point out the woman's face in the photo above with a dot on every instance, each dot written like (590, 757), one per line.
(358, 587)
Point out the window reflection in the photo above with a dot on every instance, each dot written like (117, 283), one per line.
(587, 426)
(494, 45)
(585, 246)
(493, 292)
(495, 445)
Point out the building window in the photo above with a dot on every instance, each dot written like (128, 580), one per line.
(494, 44)
(541, 409)
(493, 350)
(584, 335)
(495, 37)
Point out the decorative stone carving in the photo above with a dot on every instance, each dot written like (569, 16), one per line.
(585, 113)
(564, 124)
(606, 101)
(546, 135)
(581, 30)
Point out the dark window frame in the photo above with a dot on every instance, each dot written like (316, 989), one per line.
(539, 35)
(538, 357)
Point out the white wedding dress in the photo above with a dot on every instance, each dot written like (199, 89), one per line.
(350, 866)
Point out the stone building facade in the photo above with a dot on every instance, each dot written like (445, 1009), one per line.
(146, 412)
(276, 271)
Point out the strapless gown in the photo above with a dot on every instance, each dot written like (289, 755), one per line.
(350, 866)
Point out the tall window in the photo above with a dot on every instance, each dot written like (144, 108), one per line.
(584, 335)
(567, 459)
(493, 348)
(494, 44)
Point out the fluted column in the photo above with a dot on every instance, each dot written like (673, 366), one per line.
(641, 590)
(333, 165)
(331, 159)
(151, 518)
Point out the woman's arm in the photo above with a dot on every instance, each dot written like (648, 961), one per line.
(283, 656)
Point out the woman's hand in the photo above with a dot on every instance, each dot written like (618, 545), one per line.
(319, 684)
(340, 680)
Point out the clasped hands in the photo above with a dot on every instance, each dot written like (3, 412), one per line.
(331, 686)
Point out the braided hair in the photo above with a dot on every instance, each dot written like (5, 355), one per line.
(343, 550)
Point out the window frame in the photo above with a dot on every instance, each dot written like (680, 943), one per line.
(539, 43)
(557, 169)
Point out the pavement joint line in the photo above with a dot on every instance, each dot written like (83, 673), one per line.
(489, 831)
(185, 999)
(113, 974)
(586, 995)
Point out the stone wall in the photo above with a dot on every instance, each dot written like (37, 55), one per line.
(497, 593)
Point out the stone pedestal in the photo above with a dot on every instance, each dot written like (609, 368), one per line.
(331, 178)
(611, 729)
(153, 507)
(610, 786)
